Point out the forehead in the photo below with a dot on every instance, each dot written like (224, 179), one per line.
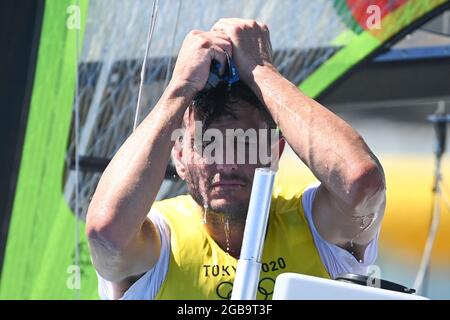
(245, 117)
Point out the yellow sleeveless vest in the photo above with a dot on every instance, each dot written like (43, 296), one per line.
(200, 269)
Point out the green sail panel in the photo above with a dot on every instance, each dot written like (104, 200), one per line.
(41, 238)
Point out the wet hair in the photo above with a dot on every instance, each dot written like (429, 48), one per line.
(210, 105)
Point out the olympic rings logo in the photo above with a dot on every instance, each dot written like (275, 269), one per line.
(265, 288)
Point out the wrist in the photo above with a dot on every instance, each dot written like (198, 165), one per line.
(174, 101)
(264, 71)
(181, 89)
(261, 73)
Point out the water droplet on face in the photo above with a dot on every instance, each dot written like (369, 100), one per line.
(227, 235)
(352, 247)
(205, 213)
(366, 221)
(361, 226)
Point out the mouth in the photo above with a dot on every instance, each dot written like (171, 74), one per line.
(228, 184)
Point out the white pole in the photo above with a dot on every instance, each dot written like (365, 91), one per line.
(249, 264)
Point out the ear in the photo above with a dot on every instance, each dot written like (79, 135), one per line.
(282, 144)
(177, 158)
(277, 151)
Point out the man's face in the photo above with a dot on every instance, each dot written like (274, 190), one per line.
(223, 186)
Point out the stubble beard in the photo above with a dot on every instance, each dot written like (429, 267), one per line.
(234, 211)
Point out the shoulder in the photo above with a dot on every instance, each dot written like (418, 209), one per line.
(147, 285)
(177, 212)
(180, 203)
(287, 198)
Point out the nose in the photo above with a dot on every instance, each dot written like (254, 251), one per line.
(226, 168)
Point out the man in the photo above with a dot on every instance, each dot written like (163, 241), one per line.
(186, 247)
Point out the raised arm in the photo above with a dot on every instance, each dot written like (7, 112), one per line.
(349, 205)
(124, 243)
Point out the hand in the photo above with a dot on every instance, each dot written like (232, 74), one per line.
(194, 59)
(251, 44)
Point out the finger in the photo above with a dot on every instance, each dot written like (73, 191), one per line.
(265, 29)
(218, 54)
(223, 25)
(263, 26)
(220, 34)
(233, 21)
(232, 26)
(195, 32)
(225, 45)
(218, 25)
(192, 35)
(236, 23)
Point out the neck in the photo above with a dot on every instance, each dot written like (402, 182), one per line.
(226, 231)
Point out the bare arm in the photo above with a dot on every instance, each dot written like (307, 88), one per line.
(117, 224)
(353, 184)
(349, 204)
(124, 243)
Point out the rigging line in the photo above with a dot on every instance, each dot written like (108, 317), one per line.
(434, 226)
(446, 201)
(77, 165)
(171, 53)
(144, 63)
(445, 196)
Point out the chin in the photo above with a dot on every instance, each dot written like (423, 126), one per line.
(228, 206)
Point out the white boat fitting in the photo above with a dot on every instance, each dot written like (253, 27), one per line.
(293, 286)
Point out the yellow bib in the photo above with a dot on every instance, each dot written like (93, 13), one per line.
(200, 269)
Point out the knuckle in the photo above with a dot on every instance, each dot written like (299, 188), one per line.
(253, 23)
(235, 29)
(204, 42)
(194, 32)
